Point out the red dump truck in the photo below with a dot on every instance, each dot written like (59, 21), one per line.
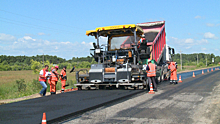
(121, 61)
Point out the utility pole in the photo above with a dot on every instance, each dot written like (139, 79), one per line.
(181, 60)
(206, 60)
(197, 59)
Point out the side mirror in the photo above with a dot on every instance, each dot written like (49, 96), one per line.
(94, 45)
(173, 51)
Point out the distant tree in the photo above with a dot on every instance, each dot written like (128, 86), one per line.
(36, 66)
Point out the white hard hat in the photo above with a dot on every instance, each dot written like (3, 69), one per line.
(148, 60)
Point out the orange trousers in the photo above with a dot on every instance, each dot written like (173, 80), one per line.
(173, 75)
(53, 86)
(63, 83)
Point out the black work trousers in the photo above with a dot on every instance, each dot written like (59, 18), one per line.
(150, 80)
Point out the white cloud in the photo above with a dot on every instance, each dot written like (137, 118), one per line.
(41, 33)
(189, 40)
(189, 45)
(65, 42)
(29, 38)
(209, 35)
(198, 17)
(6, 37)
(91, 44)
(29, 46)
(204, 49)
(210, 25)
(203, 41)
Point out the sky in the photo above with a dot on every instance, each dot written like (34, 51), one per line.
(58, 27)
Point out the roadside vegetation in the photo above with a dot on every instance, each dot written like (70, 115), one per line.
(189, 61)
(15, 84)
(19, 74)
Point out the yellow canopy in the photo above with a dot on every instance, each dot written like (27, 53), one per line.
(91, 32)
(117, 30)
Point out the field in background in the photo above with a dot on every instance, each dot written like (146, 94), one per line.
(10, 89)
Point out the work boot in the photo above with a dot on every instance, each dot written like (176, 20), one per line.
(40, 94)
(155, 90)
(171, 82)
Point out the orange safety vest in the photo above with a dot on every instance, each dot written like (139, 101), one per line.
(152, 71)
(62, 73)
(44, 73)
(54, 76)
(172, 66)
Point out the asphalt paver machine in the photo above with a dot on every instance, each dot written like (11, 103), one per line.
(122, 60)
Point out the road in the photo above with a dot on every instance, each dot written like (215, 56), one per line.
(196, 100)
(60, 106)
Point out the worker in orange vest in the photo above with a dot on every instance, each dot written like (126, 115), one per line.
(53, 80)
(63, 78)
(43, 80)
(49, 80)
(151, 74)
(173, 69)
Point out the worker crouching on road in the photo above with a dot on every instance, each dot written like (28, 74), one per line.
(53, 80)
(173, 69)
(151, 74)
(43, 80)
(63, 78)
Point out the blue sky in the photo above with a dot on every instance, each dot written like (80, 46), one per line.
(55, 27)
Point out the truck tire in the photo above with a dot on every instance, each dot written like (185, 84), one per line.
(79, 87)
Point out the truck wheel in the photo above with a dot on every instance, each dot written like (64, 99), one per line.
(79, 87)
(102, 87)
(88, 88)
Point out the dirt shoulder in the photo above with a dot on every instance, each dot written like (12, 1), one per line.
(209, 111)
(24, 98)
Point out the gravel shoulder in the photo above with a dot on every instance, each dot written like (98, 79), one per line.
(209, 111)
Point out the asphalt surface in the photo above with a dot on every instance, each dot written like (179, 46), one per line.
(196, 100)
(60, 106)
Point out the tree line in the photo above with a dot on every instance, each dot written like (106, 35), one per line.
(191, 59)
(15, 63)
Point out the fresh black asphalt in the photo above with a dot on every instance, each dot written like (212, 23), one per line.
(59, 106)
